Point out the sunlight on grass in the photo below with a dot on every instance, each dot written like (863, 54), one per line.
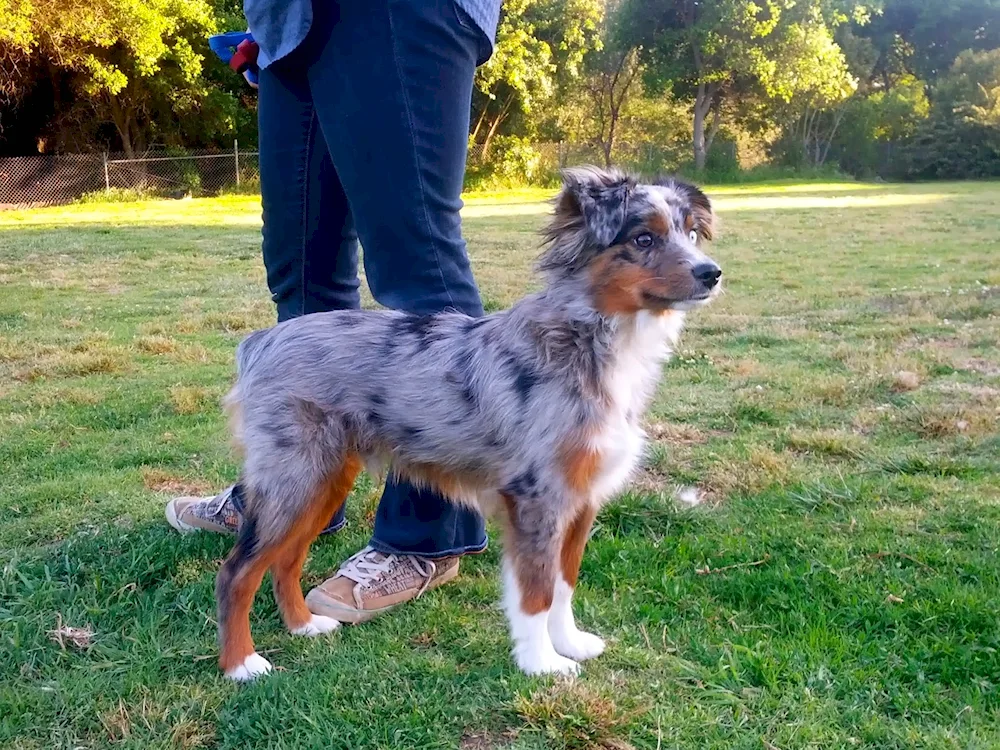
(245, 210)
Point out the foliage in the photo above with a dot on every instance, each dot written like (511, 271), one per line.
(653, 84)
(962, 138)
(971, 88)
(540, 44)
(947, 147)
(923, 37)
(513, 161)
(114, 195)
(735, 49)
(137, 66)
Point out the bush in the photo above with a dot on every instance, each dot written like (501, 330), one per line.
(115, 195)
(512, 162)
(948, 147)
(187, 178)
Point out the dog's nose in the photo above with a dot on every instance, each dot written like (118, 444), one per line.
(707, 273)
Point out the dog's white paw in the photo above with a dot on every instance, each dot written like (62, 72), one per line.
(578, 645)
(536, 661)
(253, 666)
(318, 625)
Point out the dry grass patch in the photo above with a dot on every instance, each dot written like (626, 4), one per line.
(575, 715)
(739, 368)
(826, 443)
(189, 399)
(949, 420)
(675, 433)
(74, 396)
(94, 355)
(761, 469)
(189, 353)
(156, 344)
(156, 479)
(905, 380)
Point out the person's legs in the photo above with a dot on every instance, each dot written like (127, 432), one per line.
(310, 247)
(309, 243)
(392, 84)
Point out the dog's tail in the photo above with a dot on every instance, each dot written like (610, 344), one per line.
(250, 350)
(247, 354)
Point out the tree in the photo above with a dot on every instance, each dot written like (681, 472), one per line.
(134, 65)
(709, 51)
(610, 82)
(540, 45)
(923, 37)
(971, 88)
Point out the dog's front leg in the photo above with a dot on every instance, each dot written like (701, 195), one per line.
(530, 567)
(567, 638)
(528, 604)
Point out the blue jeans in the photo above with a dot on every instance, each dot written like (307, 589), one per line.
(363, 134)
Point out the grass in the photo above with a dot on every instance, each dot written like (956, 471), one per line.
(838, 586)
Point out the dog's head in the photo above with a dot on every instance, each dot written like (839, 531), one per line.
(637, 244)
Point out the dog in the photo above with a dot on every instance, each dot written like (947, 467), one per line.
(532, 414)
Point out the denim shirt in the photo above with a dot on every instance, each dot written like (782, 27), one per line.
(279, 26)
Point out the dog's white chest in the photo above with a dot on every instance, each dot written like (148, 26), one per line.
(630, 386)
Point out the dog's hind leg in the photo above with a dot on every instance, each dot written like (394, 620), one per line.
(569, 640)
(531, 560)
(235, 587)
(286, 571)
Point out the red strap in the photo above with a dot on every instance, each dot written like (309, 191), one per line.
(245, 56)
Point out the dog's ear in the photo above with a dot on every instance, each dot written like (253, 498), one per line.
(701, 208)
(596, 198)
(589, 213)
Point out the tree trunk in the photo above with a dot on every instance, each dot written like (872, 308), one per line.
(838, 118)
(479, 122)
(702, 105)
(487, 142)
(714, 129)
(699, 131)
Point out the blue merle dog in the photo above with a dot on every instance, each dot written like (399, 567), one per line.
(533, 414)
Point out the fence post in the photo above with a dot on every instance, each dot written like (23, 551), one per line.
(107, 179)
(236, 157)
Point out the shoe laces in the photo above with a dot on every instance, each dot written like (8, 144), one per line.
(370, 566)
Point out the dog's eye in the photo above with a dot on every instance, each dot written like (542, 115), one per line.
(693, 236)
(644, 240)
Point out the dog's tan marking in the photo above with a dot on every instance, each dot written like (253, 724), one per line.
(617, 286)
(580, 464)
(458, 487)
(574, 543)
(234, 627)
(285, 558)
(286, 572)
(534, 577)
(658, 223)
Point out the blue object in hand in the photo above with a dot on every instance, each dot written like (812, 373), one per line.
(238, 50)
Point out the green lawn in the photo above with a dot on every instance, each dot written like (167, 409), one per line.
(839, 587)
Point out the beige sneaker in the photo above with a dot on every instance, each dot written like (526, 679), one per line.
(371, 583)
(217, 513)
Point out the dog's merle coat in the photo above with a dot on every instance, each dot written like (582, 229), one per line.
(534, 411)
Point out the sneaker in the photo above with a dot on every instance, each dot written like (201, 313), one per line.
(371, 583)
(217, 513)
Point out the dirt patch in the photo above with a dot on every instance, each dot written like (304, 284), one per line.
(674, 433)
(159, 480)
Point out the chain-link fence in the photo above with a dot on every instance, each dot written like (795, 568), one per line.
(40, 180)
